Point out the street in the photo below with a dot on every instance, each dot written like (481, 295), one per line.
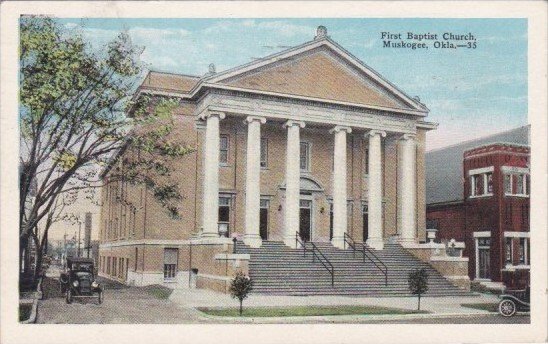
(122, 305)
(154, 305)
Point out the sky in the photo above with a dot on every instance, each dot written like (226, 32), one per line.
(470, 93)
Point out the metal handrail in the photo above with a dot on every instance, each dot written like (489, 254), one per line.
(315, 251)
(366, 251)
(298, 241)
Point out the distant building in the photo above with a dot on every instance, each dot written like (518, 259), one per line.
(478, 192)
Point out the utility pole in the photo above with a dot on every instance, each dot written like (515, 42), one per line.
(79, 231)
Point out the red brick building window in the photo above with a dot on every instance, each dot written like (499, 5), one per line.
(508, 250)
(489, 179)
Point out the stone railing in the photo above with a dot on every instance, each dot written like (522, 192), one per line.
(214, 265)
(446, 259)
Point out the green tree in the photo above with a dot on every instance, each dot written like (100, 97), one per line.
(240, 287)
(77, 115)
(418, 283)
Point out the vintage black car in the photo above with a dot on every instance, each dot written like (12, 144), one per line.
(513, 301)
(78, 281)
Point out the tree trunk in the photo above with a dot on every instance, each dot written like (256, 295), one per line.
(37, 257)
(241, 301)
(419, 307)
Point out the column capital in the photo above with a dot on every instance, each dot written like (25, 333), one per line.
(375, 132)
(204, 115)
(291, 123)
(408, 137)
(338, 128)
(250, 119)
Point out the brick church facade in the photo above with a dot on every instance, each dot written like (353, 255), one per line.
(309, 142)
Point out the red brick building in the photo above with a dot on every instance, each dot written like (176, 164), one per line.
(492, 217)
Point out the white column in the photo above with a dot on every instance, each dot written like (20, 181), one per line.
(407, 193)
(210, 204)
(292, 181)
(374, 195)
(253, 181)
(339, 186)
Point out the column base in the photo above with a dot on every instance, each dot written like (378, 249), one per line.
(253, 240)
(376, 243)
(209, 235)
(338, 242)
(405, 242)
(290, 241)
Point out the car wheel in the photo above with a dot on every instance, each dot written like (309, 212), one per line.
(507, 308)
(69, 296)
(100, 298)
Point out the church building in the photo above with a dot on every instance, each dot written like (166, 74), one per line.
(306, 145)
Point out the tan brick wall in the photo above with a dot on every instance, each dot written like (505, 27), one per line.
(151, 221)
(421, 184)
(390, 185)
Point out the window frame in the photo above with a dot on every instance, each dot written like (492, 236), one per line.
(170, 269)
(221, 149)
(264, 149)
(308, 154)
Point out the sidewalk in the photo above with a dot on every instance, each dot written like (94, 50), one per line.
(438, 306)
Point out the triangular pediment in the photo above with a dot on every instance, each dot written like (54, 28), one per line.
(320, 73)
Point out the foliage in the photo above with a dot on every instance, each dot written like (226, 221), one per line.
(240, 287)
(77, 115)
(297, 311)
(418, 283)
(159, 291)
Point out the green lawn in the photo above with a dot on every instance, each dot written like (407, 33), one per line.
(305, 311)
(490, 307)
(24, 312)
(159, 291)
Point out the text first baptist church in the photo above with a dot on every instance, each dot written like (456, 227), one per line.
(309, 143)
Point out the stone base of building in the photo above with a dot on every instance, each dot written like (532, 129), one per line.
(376, 243)
(142, 279)
(253, 240)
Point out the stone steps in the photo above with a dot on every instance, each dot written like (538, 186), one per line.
(280, 270)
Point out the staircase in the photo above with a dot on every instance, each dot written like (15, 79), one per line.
(278, 269)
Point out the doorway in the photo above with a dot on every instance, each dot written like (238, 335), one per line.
(484, 266)
(305, 222)
(365, 215)
(263, 219)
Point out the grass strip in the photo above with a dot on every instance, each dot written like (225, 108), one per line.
(301, 311)
(158, 291)
(490, 307)
(25, 311)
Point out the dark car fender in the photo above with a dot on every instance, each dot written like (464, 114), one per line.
(520, 303)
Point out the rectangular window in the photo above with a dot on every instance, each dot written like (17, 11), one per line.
(223, 157)
(224, 216)
(170, 263)
(366, 162)
(508, 184)
(508, 250)
(489, 182)
(264, 153)
(478, 185)
(522, 250)
(520, 190)
(486, 242)
(305, 156)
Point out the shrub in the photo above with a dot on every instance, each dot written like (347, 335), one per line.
(418, 283)
(239, 287)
